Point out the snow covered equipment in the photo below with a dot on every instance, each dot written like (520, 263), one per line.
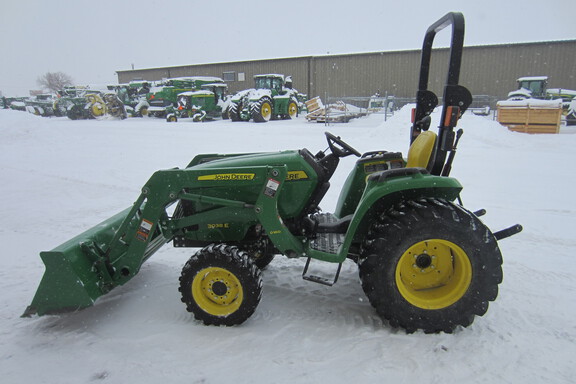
(41, 105)
(272, 98)
(163, 98)
(425, 262)
(536, 87)
(202, 105)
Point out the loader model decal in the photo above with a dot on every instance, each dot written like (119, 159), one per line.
(218, 226)
(227, 177)
(296, 175)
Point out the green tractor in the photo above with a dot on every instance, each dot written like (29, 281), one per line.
(133, 96)
(536, 87)
(272, 98)
(202, 105)
(425, 262)
(163, 98)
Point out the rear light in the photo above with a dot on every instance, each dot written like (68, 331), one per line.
(452, 116)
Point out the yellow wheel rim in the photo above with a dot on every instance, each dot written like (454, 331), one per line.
(97, 109)
(292, 110)
(266, 110)
(433, 274)
(217, 291)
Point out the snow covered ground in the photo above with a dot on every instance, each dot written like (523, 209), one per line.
(60, 177)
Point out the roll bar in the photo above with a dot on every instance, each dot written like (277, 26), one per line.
(456, 98)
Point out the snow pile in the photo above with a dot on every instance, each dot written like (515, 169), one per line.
(60, 177)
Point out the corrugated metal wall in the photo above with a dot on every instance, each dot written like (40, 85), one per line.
(486, 70)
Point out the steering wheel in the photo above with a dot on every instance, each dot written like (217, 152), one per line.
(339, 147)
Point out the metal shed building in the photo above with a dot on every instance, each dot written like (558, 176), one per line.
(486, 70)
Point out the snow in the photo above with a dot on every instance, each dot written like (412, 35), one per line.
(533, 78)
(531, 103)
(196, 93)
(561, 91)
(60, 177)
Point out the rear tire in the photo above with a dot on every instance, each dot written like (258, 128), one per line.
(234, 111)
(75, 112)
(262, 110)
(430, 265)
(221, 285)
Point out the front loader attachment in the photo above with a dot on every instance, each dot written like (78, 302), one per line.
(96, 261)
(76, 273)
(108, 255)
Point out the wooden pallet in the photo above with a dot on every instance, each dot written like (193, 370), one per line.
(530, 118)
(332, 113)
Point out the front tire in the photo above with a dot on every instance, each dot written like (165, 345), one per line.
(234, 111)
(292, 110)
(221, 285)
(430, 265)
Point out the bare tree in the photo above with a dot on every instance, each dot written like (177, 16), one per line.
(54, 81)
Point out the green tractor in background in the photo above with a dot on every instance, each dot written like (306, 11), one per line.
(272, 98)
(164, 96)
(536, 87)
(205, 104)
(425, 262)
(133, 96)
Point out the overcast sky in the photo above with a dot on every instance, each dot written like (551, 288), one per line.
(92, 39)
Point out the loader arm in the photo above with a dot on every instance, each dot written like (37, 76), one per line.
(111, 253)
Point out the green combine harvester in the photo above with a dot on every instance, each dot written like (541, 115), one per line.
(425, 262)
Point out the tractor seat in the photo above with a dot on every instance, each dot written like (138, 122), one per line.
(421, 150)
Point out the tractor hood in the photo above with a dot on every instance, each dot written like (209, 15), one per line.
(298, 187)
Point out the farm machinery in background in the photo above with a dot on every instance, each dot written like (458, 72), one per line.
(536, 87)
(86, 103)
(41, 105)
(208, 103)
(271, 98)
(425, 262)
(133, 96)
(163, 97)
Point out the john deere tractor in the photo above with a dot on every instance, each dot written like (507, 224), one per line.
(536, 87)
(202, 105)
(272, 98)
(163, 98)
(425, 262)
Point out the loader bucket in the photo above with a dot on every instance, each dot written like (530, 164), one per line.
(76, 272)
